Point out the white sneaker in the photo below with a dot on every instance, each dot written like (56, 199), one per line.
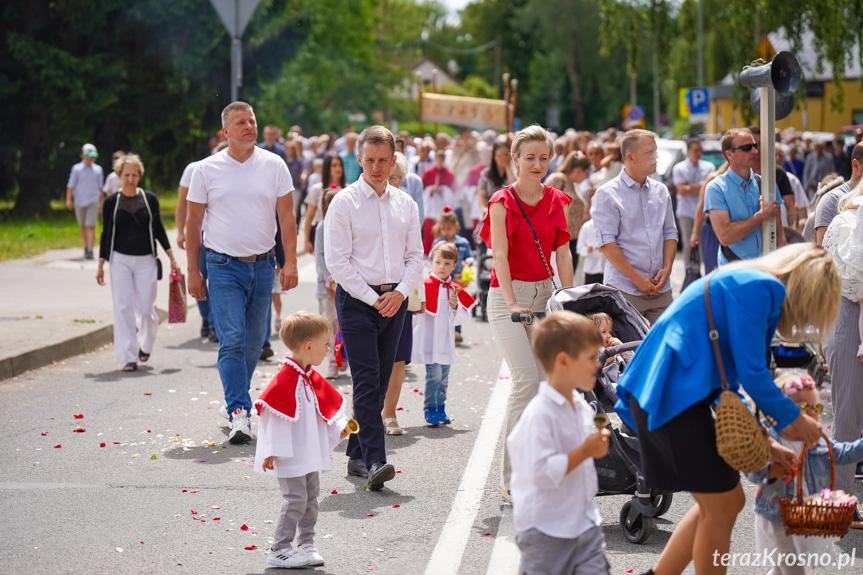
(223, 411)
(289, 558)
(241, 429)
(332, 370)
(315, 559)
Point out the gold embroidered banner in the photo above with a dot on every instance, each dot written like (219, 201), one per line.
(478, 113)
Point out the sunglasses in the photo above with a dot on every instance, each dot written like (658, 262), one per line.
(745, 148)
(809, 408)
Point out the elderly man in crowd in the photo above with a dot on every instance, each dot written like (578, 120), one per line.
(732, 200)
(376, 267)
(635, 228)
(241, 190)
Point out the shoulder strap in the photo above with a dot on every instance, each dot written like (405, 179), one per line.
(714, 335)
(535, 238)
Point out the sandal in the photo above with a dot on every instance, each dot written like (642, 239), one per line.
(143, 356)
(394, 430)
(131, 366)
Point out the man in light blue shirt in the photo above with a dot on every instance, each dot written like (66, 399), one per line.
(85, 187)
(635, 228)
(733, 201)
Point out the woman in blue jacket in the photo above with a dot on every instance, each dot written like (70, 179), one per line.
(666, 391)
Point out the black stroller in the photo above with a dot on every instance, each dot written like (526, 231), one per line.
(618, 472)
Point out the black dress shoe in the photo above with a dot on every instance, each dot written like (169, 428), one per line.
(212, 336)
(267, 352)
(357, 467)
(379, 473)
(205, 329)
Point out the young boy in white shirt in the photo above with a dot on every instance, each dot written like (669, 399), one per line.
(552, 448)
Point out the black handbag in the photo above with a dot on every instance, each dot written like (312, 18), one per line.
(693, 270)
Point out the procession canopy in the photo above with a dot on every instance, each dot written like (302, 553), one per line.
(479, 113)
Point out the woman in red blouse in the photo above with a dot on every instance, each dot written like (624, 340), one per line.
(520, 281)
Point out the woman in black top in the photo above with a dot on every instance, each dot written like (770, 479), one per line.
(131, 224)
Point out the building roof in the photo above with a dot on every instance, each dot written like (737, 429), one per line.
(808, 59)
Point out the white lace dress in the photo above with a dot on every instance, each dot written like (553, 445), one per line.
(844, 241)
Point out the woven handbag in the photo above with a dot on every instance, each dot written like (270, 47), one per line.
(815, 519)
(740, 438)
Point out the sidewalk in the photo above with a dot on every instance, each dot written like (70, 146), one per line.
(52, 308)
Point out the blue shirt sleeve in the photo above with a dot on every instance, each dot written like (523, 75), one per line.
(750, 344)
(714, 196)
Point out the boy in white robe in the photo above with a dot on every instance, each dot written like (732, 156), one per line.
(301, 420)
(447, 305)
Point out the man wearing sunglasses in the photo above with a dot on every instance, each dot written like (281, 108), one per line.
(733, 201)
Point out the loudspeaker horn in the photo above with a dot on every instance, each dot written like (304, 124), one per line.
(783, 74)
(784, 104)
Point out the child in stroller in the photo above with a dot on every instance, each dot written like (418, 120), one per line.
(619, 472)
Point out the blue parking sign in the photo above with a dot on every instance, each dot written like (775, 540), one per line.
(698, 100)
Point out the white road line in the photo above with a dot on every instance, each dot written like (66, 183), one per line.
(450, 547)
(505, 556)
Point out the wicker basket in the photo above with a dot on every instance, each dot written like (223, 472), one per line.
(740, 439)
(810, 519)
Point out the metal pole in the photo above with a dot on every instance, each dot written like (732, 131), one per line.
(235, 52)
(768, 163)
(700, 43)
(434, 91)
(655, 92)
(420, 100)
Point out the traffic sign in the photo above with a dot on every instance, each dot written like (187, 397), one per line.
(235, 14)
(699, 105)
(683, 94)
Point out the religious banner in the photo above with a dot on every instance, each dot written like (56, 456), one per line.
(479, 113)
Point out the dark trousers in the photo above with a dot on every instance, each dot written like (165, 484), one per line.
(572, 250)
(371, 341)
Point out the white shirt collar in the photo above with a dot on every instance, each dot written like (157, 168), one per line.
(369, 191)
(551, 393)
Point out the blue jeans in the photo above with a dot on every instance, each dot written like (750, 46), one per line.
(204, 305)
(240, 298)
(371, 341)
(437, 380)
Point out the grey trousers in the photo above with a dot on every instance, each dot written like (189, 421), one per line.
(542, 554)
(300, 510)
(650, 306)
(846, 373)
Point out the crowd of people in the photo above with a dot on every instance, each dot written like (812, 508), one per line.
(376, 208)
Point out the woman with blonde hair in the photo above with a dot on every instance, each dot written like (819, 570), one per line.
(844, 351)
(518, 217)
(131, 224)
(666, 392)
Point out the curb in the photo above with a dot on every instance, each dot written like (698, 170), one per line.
(30, 360)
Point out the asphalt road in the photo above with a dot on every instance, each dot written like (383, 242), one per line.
(168, 494)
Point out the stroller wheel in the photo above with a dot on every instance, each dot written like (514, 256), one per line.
(636, 527)
(662, 502)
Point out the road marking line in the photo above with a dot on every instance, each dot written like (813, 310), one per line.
(505, 556)
(450, 547)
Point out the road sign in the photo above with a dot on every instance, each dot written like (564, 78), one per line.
(683, 95)
(765, 49)
(699, 105)
(235, 14)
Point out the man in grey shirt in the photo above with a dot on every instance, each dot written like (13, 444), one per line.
(828, 207)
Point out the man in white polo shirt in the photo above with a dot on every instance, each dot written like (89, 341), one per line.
(236, 195)
(374, 252)
(688, 176)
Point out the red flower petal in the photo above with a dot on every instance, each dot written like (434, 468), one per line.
(244, 527)
(486, 534)
(193, 512)
(250, 547)
(217, 518)
(101, 445)
(148, 431)
(396, 505)
(334, 492)
(79, 430)
(184, 491)
(399, 408)
(629, 570)
(142, 542)
(370, 514)
(79, 416)
(196, 490)
(148, 394)
(116, 443)
(399, 471)
(58, 446)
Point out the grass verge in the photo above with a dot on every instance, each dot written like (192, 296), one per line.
(58, 229)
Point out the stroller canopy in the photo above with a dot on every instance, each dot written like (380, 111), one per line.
(628, 326)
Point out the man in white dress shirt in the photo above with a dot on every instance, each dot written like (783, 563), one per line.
(374, 253)
(688, 176)
(235, 195)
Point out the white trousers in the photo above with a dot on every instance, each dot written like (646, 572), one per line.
(133, 294)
